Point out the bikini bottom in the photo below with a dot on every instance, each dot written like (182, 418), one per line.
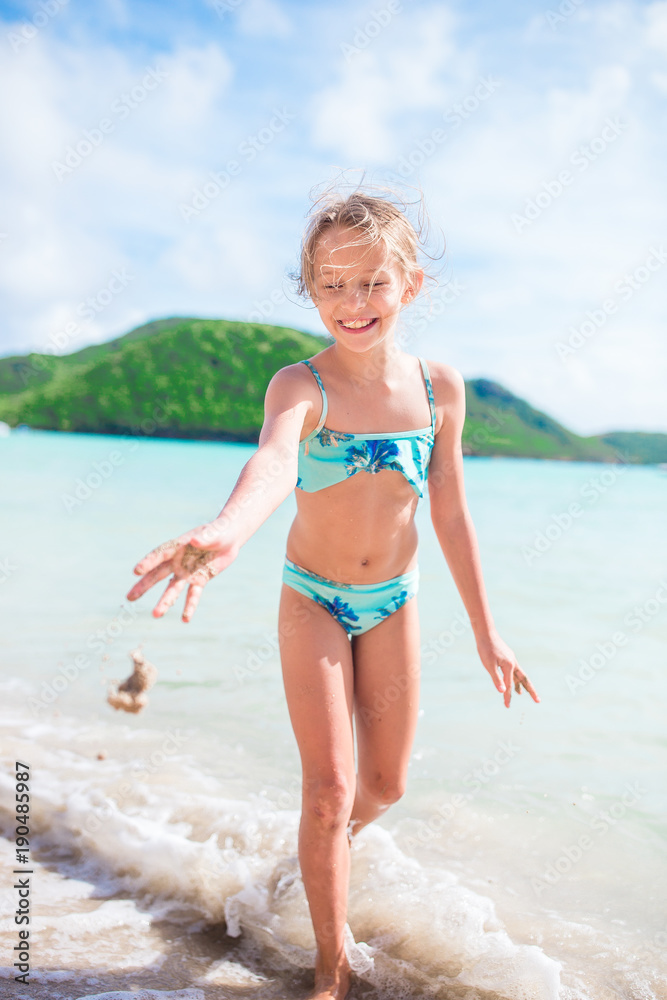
(358, 607)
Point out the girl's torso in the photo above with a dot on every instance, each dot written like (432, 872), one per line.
(362, 469)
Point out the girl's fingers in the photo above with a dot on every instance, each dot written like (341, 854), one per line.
(510, 674)
(508, 669)
(505, 672)
(507, 697)
(529, 688)
(169, 597)
(149, 580)
(519, 679)
(163, 553)
(497, 678)
(192, 600)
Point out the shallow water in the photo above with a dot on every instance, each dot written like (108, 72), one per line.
(527, 859)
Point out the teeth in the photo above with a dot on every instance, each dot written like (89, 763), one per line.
(357, 324)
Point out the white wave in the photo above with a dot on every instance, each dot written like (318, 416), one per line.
(202, 858)
(228, 973)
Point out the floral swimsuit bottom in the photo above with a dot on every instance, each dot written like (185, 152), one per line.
(358, 607)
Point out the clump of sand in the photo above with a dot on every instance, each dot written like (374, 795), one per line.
(131, 694)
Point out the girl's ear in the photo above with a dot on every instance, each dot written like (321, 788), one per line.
(413, 287)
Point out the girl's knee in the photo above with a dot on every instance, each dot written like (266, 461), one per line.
(383, 789)
(328, 800)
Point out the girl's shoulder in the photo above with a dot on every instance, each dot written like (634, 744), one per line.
(291, 386)
(448, 384)
(293, 378)
(449, 396)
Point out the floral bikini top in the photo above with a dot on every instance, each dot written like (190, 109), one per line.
(328, 457)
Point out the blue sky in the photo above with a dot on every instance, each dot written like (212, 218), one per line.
(536, 131)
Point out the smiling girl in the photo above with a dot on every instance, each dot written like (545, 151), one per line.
(357, 431)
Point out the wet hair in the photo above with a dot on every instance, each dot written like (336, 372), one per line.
(371, 220)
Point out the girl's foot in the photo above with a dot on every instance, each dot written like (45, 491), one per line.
(332, 986)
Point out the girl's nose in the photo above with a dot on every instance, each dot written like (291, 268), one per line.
(356, 296)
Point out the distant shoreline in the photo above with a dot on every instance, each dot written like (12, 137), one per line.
(215, 438)
(188, 379)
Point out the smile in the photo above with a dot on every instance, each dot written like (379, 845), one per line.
(357, 324)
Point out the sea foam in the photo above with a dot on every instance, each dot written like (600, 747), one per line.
(181, 850)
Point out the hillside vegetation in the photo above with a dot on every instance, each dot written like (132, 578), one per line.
(198, 378)
(180, 378)
(500, 423)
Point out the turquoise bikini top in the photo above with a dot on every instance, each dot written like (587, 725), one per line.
(328, 457)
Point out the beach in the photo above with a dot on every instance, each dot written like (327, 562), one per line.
(527, 859)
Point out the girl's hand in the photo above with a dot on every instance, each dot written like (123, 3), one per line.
(194, 558)
(501, 664)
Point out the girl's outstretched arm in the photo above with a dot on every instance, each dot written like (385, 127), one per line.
(456, 534)
(266, 479)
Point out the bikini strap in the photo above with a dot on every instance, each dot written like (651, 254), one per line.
(429, 390)
(325, 404)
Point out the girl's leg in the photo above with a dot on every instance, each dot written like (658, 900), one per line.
(317, 670)
(386, 703)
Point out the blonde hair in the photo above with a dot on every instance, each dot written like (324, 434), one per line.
(377, 220)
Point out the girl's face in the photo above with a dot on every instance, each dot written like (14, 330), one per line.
(359, 290)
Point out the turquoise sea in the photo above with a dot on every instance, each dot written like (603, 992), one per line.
(527, 860)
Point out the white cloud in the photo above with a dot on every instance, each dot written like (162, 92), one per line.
(67, 235)
(31, 120)
(263, 18)
(656, 25)
(405, 68)
(198, 79)
(659, 81)
(119, 12)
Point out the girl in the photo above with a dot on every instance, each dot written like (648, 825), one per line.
(354, 430)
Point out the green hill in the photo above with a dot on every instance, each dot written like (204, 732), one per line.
(180, 378)
(27, 371)
(650, 449)
(196, 378)
(500, 423)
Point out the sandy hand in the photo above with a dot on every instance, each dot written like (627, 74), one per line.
(192, 560)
